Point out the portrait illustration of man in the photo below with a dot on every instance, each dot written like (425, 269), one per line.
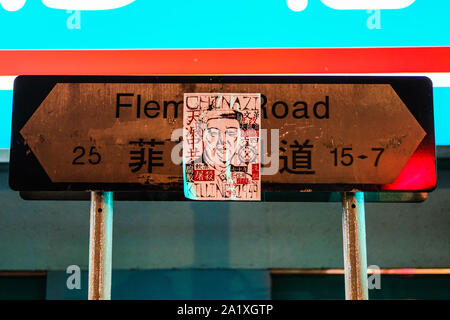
(220, 156)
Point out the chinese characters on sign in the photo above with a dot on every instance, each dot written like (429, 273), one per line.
(138, 156)
(301, 160)
(145, 154)
(310, 134)
(221, 146)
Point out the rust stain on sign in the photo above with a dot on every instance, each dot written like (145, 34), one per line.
(121, 132)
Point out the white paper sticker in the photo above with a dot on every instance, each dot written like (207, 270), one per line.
(221, 146)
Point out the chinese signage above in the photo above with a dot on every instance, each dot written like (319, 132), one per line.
(122, 24)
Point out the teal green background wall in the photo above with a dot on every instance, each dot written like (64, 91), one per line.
(193, 250)
(170, 284)
(51, 235)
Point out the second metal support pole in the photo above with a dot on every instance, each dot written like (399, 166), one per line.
(100, 245)
(354, 233)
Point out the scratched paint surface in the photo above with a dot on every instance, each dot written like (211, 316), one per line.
(119, 132)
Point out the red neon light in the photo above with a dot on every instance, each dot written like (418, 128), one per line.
(419, 173)
(224, 61)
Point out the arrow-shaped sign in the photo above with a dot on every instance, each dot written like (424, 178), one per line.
(120, 133)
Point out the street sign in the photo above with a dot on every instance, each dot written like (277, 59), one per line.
(318, 133)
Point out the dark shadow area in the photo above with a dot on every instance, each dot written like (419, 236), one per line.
(396, 287)
(23, 287)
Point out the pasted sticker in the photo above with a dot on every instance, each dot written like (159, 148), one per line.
(221, 146)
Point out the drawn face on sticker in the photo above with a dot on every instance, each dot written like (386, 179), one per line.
(221, 138)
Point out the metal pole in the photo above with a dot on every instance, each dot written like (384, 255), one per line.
(355, 260)
(100, 245)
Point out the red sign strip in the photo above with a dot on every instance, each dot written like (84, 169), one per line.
(224, 61)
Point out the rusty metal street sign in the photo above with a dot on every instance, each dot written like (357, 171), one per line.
(322, 133)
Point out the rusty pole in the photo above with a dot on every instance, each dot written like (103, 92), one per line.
(355, 259)
(100, 245)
